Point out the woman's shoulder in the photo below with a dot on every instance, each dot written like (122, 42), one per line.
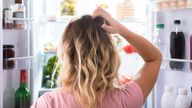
(129, 95)
(53, 99)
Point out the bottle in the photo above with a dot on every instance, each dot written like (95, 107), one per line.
(168, 98)
(182, 100)
(158, 39)
(19, 12)
(22, 95)
(177, 46)
(7, 14)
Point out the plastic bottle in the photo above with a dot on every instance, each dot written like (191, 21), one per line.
(182, 100)
(158, 39)
(177, 46)
(168, 98)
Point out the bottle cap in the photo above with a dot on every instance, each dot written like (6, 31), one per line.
(18, 1)
(159, 25)
(23, 76)
(168, 88)
(183, 91)
(8, 46)
(177, 21)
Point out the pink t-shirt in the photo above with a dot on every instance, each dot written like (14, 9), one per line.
(130, 97)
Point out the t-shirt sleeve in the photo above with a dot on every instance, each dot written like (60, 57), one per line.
(132, 95)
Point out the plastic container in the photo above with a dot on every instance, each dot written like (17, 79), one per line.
(177, 46)
(168, 98)
(182, 100)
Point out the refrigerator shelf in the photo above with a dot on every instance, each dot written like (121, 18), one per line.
(180, 9)
(177, 60)
(49, 53)
(22, 19)
(21, 58)
(46, 89)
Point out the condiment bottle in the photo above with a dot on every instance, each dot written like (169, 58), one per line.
(168, 98)
(19, 12)
(7, 14)
(182, 100)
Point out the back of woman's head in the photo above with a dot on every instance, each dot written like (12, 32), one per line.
(90, 61)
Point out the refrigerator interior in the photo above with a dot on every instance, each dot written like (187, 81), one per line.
(175, 78)
(45, 31)
(40, 30)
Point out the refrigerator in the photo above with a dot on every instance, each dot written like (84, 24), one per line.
(45, 26)
(167, 76)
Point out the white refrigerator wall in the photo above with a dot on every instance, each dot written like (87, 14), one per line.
(177, 79)
(1, 56)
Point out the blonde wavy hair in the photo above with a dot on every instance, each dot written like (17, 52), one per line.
(89, 59)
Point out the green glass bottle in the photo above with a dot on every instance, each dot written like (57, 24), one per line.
(22, 95)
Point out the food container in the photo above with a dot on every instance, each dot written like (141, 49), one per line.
(8, 52)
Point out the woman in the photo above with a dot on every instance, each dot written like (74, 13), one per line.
(89, 77)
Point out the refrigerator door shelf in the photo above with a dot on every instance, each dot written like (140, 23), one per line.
(177, 60)
(22, 19)
(171, 5)
(21, 58)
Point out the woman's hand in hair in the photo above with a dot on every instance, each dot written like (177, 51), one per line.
(110, 25)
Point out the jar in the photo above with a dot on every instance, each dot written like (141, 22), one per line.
(19, 12)
(8, 52)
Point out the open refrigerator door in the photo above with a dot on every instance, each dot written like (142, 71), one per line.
(175, 71)
(15, 41)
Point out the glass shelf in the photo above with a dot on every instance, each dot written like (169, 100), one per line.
(46, 89)
(67, 19)
(132, 20)
(49, 53)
